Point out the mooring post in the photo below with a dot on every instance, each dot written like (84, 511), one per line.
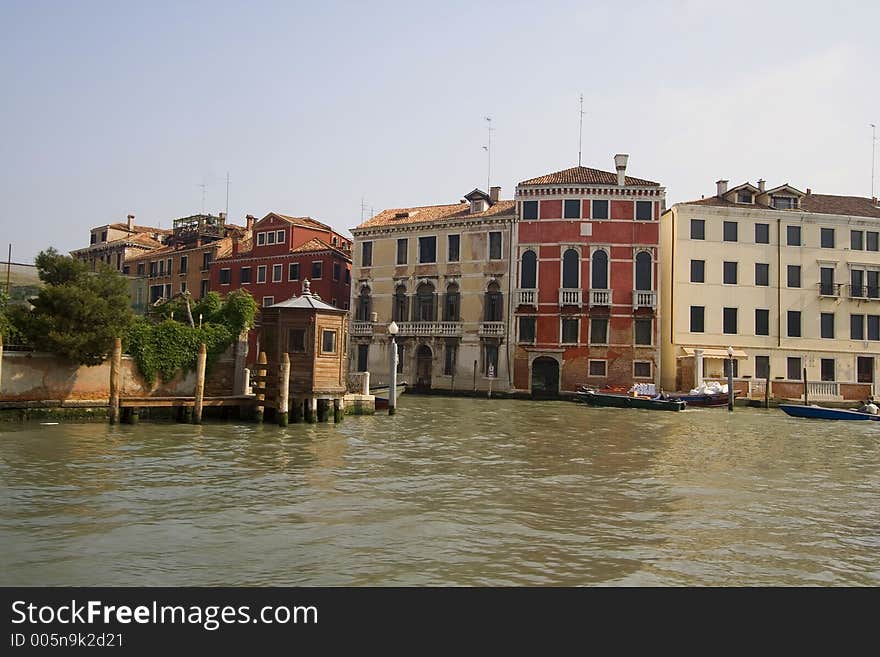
(283, 389)
(338, 413)
(767, 392)
(312, 411)
(1, 361)
(261, 386)
(475, 376)
(296, 410)
(200, 384)
(115, 364)
(805, 388)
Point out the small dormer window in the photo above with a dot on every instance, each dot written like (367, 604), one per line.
(744, 196)
(104, 236)
(478, 205)
(784, 202)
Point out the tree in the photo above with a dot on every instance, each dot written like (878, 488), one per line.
(78, 314)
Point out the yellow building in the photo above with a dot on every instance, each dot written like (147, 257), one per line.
(442, 273)
(789, 279)
(112, 244)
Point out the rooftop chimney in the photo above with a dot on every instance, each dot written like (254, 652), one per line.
(235, 244)
(131, 222)
(762, 184)
(250, 222)
(722, 187)
(494, 193)
(222, 217)
(620, 161)
(809, 191)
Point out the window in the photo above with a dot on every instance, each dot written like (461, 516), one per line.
(857, 282)
(104, 236)
(729, 321)
(698, 229)
(826, 281)
(643, 329)
(363, 354)
(490, 359)
(826, 325)
(169, 266)
(730, 231)
(762, 273)
(261, 274)
(317, 269)
(762, 367)
(328, 342)
(827, 369)
(270, 237)
(277, 273)
(644, 271)
(402, 248)
(871, 240)
(161, 267)
(453, 243)
(367, 255)
(762, 321)
(725, 367)
(428, 249)
(794, 323)
(865, 369)
(569, 331)
(348, 277)
(293, 271)
(337, 271)
(495, 245)
(642, 369)
(743, 196)
(364, 306)
(783, 202)
(698, 271)
(245, 275)
(206, 261)
(153, 270)
(268, 301)
(599, 270)
(526, 329)
(793, 368)
(225, 276)
(793, 235)
(280, 237)
(598, 368)
(400, 306)
(856, 238)
(730, 273)
(598, 330)
(530, 210)
(873, 327)
(494, 303)
(856, 327)
(449, 364)
(697, 319)
(452, 304)
(296, 340)
(424, 303)
(572, 209)
(826, 238)
(140, 269)
(571, 265)
(794, 275)
(762, 233)
(94, 239)
(644, 210)
(600, 210)
(183, 264)
(205, 287)
(261, 239)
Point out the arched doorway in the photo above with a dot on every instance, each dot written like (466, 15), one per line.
(424, 365)
(545, 377)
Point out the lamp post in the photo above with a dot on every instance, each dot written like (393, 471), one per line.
(730, 378)
(393, 330)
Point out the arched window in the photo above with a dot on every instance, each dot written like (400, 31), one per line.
(494, 305)
(644, 271)
(425, 303)
(528, 271)
(399, 308)
(571, 262)
(452, 304)
(599, 270)
(364, 307)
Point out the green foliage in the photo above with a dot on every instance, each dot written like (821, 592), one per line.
(208, 307)
(78, 314)
(239, 311)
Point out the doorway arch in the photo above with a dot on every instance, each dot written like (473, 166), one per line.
(424, 365)
(545, 377)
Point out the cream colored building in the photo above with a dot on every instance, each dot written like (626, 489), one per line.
(788, 279)
(442, 273)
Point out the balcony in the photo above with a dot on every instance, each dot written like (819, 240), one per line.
(492, 329)
(428, 329)
(644, 299)
(527, 297)
(362, 328)
(863, 292)
(830, 290)
(570, 296)
(600, 298)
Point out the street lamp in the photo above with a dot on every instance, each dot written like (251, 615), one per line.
(730, 378)
(393, 330)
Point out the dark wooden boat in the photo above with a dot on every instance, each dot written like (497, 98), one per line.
(381, 394)
(617, 400)
(823, 413)
(706, 399)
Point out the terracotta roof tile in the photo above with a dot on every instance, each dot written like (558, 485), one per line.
(855, 206)
(434, 213)
(585, 176)
(303, 221)
(142, 229)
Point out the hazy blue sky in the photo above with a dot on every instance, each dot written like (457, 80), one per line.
(118, 107)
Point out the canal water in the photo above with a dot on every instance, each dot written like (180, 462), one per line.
(447, 492)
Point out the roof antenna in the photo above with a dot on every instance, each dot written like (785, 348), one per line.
(581, 129)
(204, 187)
(227, 196)
(873, 156)
(488, 150)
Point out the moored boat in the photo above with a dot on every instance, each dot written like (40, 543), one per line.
(617, 400)
(701, 399)
(381, 394)
(823, 413)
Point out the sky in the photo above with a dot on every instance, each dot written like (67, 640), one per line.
(338, 109)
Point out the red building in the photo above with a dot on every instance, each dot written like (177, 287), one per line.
(587, 253)
(280, 254)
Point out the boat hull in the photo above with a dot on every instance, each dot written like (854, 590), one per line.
(703, 400)
(822, 413)
(381, 395)
(627, 401)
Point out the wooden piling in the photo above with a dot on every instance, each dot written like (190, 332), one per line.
(338, 412)
(283, 389)
(323, 410)
(115, 365)
(1, 360)
(806, 401)
(297, 414)
(767, 392)
(311, 410)
(200, 384)
(260, 370)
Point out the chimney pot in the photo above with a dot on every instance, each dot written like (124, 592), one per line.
(494, 194)
(620, 161)
(762, 184)
(131, 222)
(222, 217)
(250, 222)
(809, 191)
(721, 187)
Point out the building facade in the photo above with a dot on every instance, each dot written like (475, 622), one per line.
(586, 263)
(112, 244)
(789, 279)
(442, 274)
